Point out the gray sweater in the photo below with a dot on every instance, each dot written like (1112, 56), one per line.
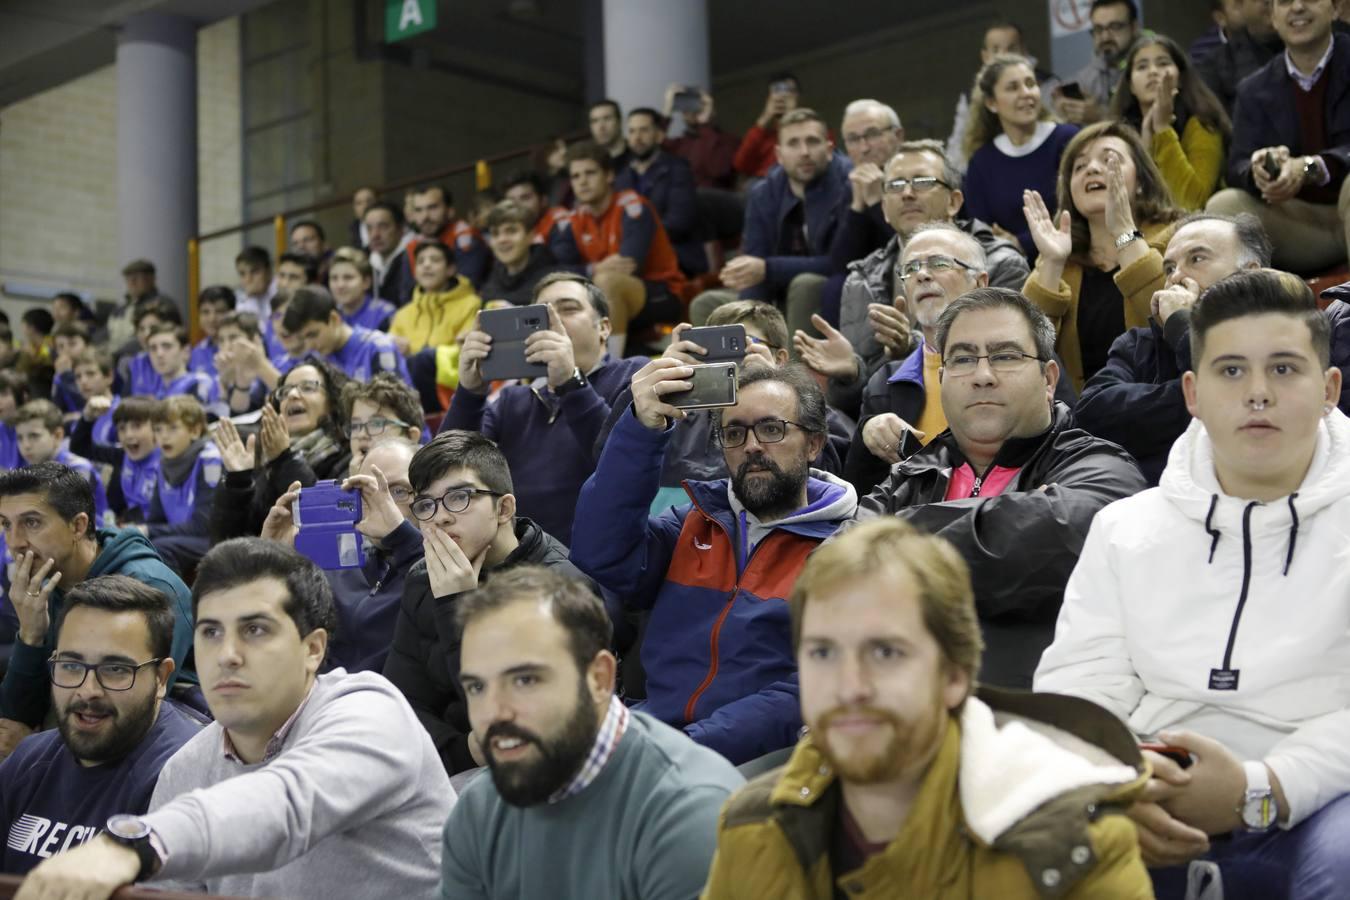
(645, 829)
(352, 807)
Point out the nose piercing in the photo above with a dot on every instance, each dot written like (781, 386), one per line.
(1258, 404)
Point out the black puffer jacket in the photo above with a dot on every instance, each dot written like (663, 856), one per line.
(424, 659)
(1022, 544)
(244, 499)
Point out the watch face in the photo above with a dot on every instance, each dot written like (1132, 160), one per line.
(128, 827)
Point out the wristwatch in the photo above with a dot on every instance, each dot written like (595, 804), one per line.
(1128, 236)
(1259, 809)
(132, 831)
(1311, 171)
(575, 383)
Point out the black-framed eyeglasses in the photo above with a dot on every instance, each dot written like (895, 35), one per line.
(308, 386)
(962, 364)
(871, 135)
(935, 263)
(112, 676)
(1109, 28)
(374, 426)
(767, 431)
(455, 500)
(921, 184)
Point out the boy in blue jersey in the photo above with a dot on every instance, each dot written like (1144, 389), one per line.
(134, 459)
(70, 339)
(114, 727)
(359, 352)
(168, 349)
(13, 394)
(190, 469)
(94, 378)
(245, 372)
(42, 438)
(213, 305)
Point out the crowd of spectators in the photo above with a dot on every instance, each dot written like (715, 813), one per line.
(1011, 567)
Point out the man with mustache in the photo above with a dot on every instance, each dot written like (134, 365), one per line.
(586, 798)
(114, 727)
(714, 573)
(910, 782)
(1114, 25)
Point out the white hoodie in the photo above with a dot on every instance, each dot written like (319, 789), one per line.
(1154, 622)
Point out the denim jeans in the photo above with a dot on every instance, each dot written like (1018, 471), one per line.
(1310, 861)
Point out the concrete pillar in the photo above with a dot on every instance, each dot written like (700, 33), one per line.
(157, 144)
(652, 43)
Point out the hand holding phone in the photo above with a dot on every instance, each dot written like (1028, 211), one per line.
(714, 385)
(508, 329)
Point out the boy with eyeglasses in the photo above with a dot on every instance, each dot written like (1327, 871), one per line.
(1009, 481)
(381, 408)
(465, 510)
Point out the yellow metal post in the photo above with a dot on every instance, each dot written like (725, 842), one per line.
(482, 175)
(194, 286)
(279, 227)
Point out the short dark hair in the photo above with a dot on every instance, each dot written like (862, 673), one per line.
(614, 104)
(138, 408)
(786, 76)
(308, 304)
(1256, 293)
(1253, 241)
(423, 246)
(40, 410)
(218, 295)
(599, 302)
(169, 328)
(119, 594)
(15, 385)
(461, 450)
(159, 307)
(93, 356)
(575, 607)
(387, 207)
(246, 322)
(61, 487)
(508, 212)
(385, 389)
(1042, 331)
(304, 261)
(72, 329)
(139, 267)
(812, 410)
(309, 223)
(1007, 24)
(657, 119)
(309, 598)
(446, 197)
(525, 176)
(591, 151)
(39, 319)
(1128, 4)
(74, 300)
(254, 257)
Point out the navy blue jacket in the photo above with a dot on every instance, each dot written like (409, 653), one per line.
(367, 601)
(669, 184)
(1339, 314)
(50, 803)
(548, 442)
(767, 209)
(1265, 115)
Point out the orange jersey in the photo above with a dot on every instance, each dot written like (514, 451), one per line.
(629, 226)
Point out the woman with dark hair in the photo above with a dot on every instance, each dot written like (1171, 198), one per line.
(301, 438)
(1101, 257)
(1012, 143)
(1183, 124)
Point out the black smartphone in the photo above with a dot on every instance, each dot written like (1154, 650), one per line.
(508, 329)
(724, 343)
(687, 101)
(713, 385)
(1071, 89)
(1271, 164)
(909, 444)
(1178, 755)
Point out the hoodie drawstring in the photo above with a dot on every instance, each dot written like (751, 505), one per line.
(1293, 533)
(1209, 527)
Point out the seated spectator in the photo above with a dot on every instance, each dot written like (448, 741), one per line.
(1012, 484)
(69, 341)
(903, 777)
(465, 508)
(1245, 48)
(168, 349)
(245, 372)
(35, 330)
(179, 520)
(349, 281)
(115, 728)
(519, 262)
(69, 309)
(668, 182)
(47, 513)
(1182, 123)
(527, 190)
(13, 395)
(136, 373)
(790, 221)
(695, 452)
(575, 775)
(378, 410)
(213, 305)
(1114, 26)
(758, 151)
(1251, 691)
(713, 573)
(387, 241)
(94, 378)
(42, 438)
(301, 438)
(708, 149)
(565, 414)
(308, 239)
(256, 285)
(362, 199)
(605, 120)
(618, 238)
(1013, 145)
(920, 189)
(435, 219)
(443, 304)
(1135, 400)
(1291, 114)
(139, 278)
(294, 271)
(366, 598)
(357, 352)
(263, 802)
(1101, 257)
(133, 454)
(872, 136)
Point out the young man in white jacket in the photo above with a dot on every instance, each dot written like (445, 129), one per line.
(1210, 612)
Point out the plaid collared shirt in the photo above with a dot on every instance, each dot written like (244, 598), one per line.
(606, 742)
(273, 746)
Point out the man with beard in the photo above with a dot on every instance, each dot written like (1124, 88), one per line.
(586, 798)
(1011, 483)
(714, 573)
(668, 182)
(1115, 23)
(435, 219)
(114, 728)
(909, 781)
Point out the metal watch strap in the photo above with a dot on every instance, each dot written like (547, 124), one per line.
(1128, 236)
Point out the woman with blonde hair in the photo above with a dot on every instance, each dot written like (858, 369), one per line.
(1012, 143)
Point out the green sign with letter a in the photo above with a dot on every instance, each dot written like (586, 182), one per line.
(405, 18)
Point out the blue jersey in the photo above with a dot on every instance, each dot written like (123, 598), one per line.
(203, 357)
(179, 503)
(138, 479)
(105, 432)
(102, 514)
(144, 379)
(50, 803)
(375, 313)
(65, 393)
(367, 353)
(195, 384)
(9, 448)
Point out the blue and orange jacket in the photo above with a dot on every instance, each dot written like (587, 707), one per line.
(718, 647)
(629, 226)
